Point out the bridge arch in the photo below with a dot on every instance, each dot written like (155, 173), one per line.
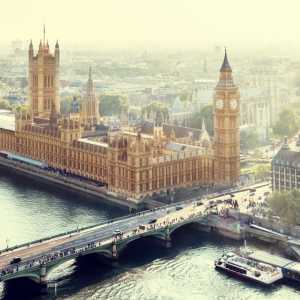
(105, 252)
(32, 276)
(156, 235)
(182, 225)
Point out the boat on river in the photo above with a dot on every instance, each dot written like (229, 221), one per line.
(240, 265)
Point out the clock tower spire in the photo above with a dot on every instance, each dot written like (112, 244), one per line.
(226, 127)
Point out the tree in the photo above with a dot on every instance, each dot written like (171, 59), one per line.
(112, 105)
(4, 104)
(249, 139)
(287, 124)
(205, 114)
(286, 205)
(20, 108)
(153, 108)
(66, 104)
(185, 97)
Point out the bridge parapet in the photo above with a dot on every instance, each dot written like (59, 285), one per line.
(107, 238)
(110, 246)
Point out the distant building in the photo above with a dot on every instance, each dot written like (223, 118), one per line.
(256, 110)
(202, 93)
(286, 167)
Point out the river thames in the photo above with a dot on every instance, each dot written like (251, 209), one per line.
(30, 210)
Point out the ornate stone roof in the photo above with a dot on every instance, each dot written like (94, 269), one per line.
(225, 66)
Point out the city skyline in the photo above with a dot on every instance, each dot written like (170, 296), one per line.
(161, 24)
(138, 138)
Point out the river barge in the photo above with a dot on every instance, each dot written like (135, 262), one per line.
(240, 265)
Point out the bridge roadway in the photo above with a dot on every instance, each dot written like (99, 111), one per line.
(40, 257)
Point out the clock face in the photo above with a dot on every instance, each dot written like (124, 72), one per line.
(233, 104)
(219, 104)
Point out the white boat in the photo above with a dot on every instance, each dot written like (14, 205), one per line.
(239, 265)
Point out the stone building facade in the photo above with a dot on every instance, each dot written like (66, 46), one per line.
(131, 162)
(43, 80)
(286, 167)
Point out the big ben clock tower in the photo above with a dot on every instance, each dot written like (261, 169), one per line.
(226, 127)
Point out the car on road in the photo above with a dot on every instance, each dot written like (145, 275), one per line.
(179, 207)
(117, 232)
(15, 260)
(212, 205)
(142, 227)
(152, 221)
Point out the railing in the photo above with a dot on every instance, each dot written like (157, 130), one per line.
(71, 252)
(232, 190)
(143, 213)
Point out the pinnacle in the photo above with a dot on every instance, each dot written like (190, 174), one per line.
(225, 66)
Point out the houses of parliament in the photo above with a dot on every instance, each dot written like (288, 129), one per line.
(132, 162)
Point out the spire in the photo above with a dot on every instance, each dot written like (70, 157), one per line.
(30, 48)
(44, 39)
(56, 45)
(225, 66)
(225, 77)
(285, 145)
(90, 85)
(90, 73)
(204, 136)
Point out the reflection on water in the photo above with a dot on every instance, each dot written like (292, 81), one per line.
(145, 270)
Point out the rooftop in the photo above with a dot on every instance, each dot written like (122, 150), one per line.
(91, 142)
(288, 155)
(178, 147)
(225, 66)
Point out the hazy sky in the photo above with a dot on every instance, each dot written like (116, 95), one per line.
(128, 23)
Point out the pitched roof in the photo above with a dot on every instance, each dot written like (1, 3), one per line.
(287, 157)
(180, 131)
(225, 66)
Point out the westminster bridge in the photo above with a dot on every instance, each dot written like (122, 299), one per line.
(37, 259)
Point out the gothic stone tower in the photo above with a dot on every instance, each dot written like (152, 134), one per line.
(90, 106)
(226, 127)
(43, 80)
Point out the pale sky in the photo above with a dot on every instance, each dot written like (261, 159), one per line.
(127, 23)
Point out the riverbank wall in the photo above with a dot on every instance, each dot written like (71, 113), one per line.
(97, 193)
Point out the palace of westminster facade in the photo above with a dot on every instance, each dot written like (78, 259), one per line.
(132, 162)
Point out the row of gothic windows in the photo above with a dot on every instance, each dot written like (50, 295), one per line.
(48, 81)
(47, 103)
